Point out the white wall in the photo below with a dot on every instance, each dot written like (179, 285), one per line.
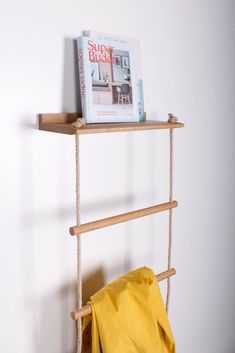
(188, 64)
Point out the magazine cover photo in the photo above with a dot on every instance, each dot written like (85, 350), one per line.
(111, 81)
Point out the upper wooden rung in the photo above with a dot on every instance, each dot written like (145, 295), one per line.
(125, 217)
(62, 123)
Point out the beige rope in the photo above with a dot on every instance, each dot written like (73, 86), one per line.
(79, 276)
(80, 123)
(172, 119)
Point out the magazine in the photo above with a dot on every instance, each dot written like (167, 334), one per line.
(111, 90)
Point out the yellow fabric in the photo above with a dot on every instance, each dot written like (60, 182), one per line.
(128, 316)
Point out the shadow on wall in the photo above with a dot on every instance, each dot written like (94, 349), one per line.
(48, 215)
(50, 321)
(71, 99)
(91, 283)
(54, 322)
(49, 318)
(50, 328)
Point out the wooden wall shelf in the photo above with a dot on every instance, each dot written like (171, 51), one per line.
(62, 123)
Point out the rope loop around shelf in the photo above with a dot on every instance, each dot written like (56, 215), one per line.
(80, 122)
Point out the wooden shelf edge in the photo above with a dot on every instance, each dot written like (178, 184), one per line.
(62, 123)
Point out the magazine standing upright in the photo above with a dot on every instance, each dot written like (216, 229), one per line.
(63, 123)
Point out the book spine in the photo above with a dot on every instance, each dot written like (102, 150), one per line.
(141, 102)
(82, 78)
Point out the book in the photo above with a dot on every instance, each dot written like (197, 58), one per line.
(110, 84)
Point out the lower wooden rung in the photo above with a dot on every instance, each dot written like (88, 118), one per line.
(86, 310)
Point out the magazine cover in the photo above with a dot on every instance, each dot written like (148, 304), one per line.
(136, 45)
(110, 88)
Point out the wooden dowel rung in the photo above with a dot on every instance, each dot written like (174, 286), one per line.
(88, 227)
(86, 310)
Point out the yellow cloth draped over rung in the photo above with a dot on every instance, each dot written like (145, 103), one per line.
(128, 316)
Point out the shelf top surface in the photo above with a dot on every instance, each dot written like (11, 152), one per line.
(62, 123)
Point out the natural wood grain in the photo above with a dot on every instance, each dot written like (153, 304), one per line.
(61, 118)
(87, 227)
(62, 123)
(86, 310)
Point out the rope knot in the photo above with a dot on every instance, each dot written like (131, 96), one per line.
(172, 118)
(79, 122)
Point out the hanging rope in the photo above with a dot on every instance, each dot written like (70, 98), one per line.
(79, 276)
(172, 119)
(80, 123)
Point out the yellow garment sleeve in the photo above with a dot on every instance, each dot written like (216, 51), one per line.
(128, 316)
